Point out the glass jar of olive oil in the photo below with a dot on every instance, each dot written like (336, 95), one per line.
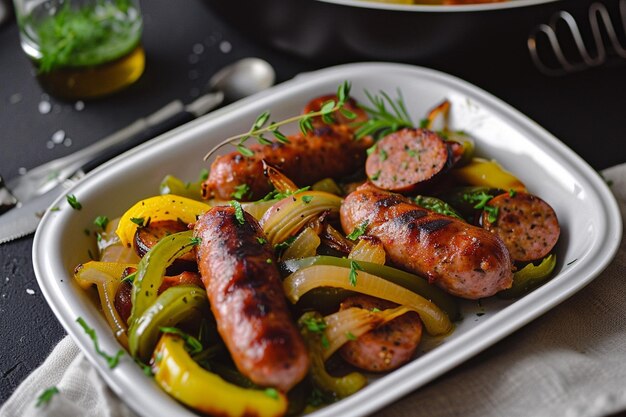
(82, 48)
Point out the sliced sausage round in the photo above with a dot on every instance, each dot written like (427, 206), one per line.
(408, 160)
(527, 225)
(388, 346)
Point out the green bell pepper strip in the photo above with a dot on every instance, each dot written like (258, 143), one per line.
(407, 280)
(174, 185)
(529, 277)
(436, 205)
(151, 269)
(174, 305)
(339, 387)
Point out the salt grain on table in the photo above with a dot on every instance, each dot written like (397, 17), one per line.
(79, 105)
(225, 47)
(15, 98)
(49, 144)
(45, 107)
(30, 291)
(198, 49)
(67, 142)
(58, 136)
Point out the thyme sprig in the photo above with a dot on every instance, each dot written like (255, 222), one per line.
(263, 127)
(383, 120)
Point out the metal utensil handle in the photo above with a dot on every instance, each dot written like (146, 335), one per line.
(599, 18)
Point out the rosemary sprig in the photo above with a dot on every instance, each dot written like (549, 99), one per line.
(383, 120)
(262, 126)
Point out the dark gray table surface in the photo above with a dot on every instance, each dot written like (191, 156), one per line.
(585, 110)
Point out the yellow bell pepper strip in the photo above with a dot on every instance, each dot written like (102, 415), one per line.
(300, 282)
(404, 279)
(312, 327)
(162, 207)
(181, 377)
(151, 269)
(482, 172)
(174, 185)
(107, 277)
(172, 306)
(529, 277)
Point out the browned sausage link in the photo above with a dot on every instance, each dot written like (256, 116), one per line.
(527, 225)
(388, 346)
(465, 260)
(148, 236)
(330, 151)
(351, 105)
(408, 160)
(247, 300)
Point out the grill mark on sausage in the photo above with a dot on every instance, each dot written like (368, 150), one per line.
(433, 225)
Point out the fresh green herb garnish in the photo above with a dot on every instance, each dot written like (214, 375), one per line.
(46, 396)
(315, 325)
(375, 310)
(204, 174)
(241, 191)
(262, 126)
(268, 261)
(478, 199)
(307, 199)
(492, 213)
(192, 344)
(383, 155)
(195, 241)
(147, 370)
(277, 195)
(512, 193)
(138, 221)
(271, 392)
(130, 277)
(112, 361)
(350, 336)
(73, 202)
(261, 240)
(358, 231)
(425, 123)
(436, 205)
(354, 267)
(371, 149)
(101, 221)
(238, 211)
(376, 175)
(284, 245)
(54, 209)
(382, 120)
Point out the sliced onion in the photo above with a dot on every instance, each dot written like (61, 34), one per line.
(300, 282)
(355, 322)
(328, 185)
(286, 217)
(107, 277)
(305, 244)
(369, 250)
(336, 240)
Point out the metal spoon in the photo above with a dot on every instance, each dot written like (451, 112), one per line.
(240, 79)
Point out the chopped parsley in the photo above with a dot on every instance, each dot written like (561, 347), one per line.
(261, 240)
(425, 123)
(73, 202)
(195, 241)
(112, 361)
(376, 175)
(271, 392)
(101, 221)
(307, 198)
(204, 174)
(54, 209)
(371, 149)
(46, 396)
(512, 193)
(375, 310)
(192, 344)
(268, 261)
(358, 231)
(492, 213)
(317, 325)
(413, 153)
(147, 370)
(478, 199)
(354, 267)
(138, 221)
(241, 191)
(383, 155)
(284, 245)
(238, 212)
(350, 336)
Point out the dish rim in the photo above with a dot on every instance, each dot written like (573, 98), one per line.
(424, 8)
(377, 394)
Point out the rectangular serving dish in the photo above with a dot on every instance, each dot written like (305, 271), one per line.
(587, 211)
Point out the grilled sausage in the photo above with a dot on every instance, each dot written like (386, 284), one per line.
(408, 160)
(388, 346)
(330, 151)
(464, 260)
(148, 236)
(527, 225)
(247, 299)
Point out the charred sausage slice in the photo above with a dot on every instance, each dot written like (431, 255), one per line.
(527, 225)
(330, 151)
(148, 236)
(387, 347)
(408, 160)
(465, 260)
(247, 299)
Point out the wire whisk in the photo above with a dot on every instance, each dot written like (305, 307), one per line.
(582, 58)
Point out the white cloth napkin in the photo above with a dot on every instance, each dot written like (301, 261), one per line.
(571, 362)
